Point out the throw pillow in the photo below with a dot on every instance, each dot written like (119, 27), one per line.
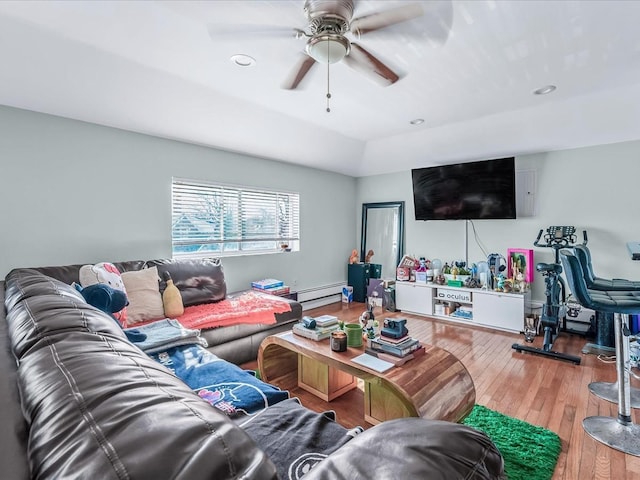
(108, 274)
(145, 301)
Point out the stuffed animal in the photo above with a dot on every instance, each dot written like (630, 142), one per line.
(108, 274)
(368, 324)
(103, 297)
(367, 258)
(109, 300)
(354, 258)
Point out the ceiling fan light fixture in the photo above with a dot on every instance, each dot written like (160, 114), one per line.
(328, 48)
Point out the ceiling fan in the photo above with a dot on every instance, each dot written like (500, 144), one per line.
(329, 24)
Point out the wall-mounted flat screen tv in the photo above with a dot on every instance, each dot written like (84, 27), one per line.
(475, 190)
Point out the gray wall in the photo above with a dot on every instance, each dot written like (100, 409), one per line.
(73, 192)
(594, 188)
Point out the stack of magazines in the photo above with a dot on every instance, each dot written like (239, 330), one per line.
(317, 334)
(400, 347)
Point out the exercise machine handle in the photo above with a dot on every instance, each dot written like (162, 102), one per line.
(536, 244)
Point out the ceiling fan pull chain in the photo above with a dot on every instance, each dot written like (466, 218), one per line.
(328, 89)
(328, 92)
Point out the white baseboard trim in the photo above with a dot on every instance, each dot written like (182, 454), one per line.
(320, 302)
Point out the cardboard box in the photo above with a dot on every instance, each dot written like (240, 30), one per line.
(347, 294)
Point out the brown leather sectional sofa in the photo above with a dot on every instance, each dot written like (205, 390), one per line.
(79, 401)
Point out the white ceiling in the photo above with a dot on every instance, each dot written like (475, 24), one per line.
(153, 67)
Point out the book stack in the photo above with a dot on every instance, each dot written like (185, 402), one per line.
(267, 283)
(317, 334)
(271, 286)
(279, 291)
(399, 347)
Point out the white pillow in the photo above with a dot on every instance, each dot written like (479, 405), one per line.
(145, 300)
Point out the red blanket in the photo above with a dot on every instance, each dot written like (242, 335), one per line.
(248, 307)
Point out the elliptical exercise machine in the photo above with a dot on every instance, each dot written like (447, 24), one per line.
(555, 292)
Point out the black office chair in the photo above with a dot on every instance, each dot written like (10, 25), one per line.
(619, 433)
(597, 283)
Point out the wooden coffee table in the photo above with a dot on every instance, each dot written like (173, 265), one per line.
(435, 385)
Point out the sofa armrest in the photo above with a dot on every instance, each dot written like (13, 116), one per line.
(13, 434)
(414, 448)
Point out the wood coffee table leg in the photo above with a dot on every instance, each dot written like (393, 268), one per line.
(322, 380)
(381, 403)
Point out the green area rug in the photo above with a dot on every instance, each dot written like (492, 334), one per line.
(529, 452)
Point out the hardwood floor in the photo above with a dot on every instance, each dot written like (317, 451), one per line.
(543, 391)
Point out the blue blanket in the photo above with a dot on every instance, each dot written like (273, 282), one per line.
(224, 385)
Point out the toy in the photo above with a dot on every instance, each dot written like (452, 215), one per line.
(367, 258)
(368, 322)
(109, 300)
(354, 258)
(103, 272)
(472, 283)
(440, 279)
(108, 274)
(424, 265)
(103, 297)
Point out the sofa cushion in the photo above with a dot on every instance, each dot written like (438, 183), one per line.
(199, 280)
(97, 407)
(145, 300)
(414, 448)
(216, 336)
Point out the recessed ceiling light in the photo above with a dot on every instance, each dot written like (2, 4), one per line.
(544, 90)
(243, 60)
(417, 121)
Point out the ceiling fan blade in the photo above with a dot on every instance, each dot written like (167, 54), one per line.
(216, 31)
(305, 62)
(362, 61)
(376, 21)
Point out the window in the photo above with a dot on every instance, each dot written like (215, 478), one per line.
(222, 220)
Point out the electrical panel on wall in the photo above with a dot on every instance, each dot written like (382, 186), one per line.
(526, 193)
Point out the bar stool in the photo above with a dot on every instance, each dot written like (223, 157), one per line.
(594, 282)
(619, 433)
(605, 390)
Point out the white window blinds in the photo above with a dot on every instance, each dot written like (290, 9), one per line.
(213, 219)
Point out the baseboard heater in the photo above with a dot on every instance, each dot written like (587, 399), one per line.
(320, 296)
